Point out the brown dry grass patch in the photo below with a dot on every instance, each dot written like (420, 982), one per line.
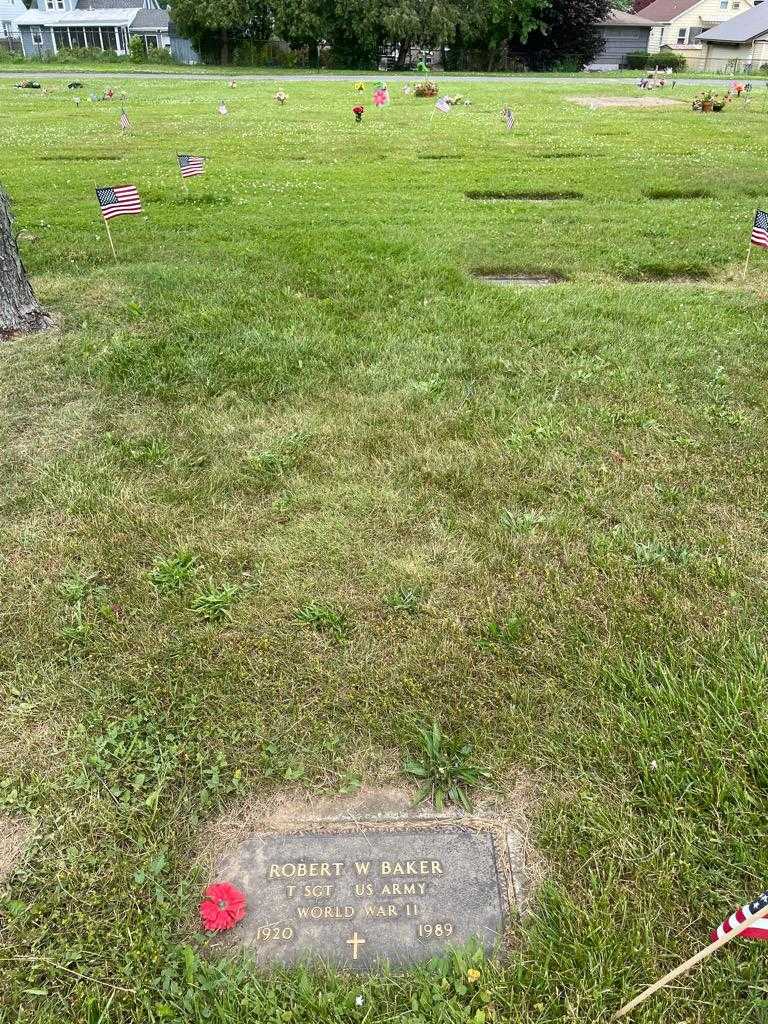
(15, 836)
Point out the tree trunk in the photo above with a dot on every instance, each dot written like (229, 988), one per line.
(224, 46)
(20, 312)
(404, 48)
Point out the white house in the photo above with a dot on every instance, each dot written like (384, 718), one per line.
(10, 11)
(679, 23)
(738, 42)
(53, 25)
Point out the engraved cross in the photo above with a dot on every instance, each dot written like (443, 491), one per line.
(354, 942)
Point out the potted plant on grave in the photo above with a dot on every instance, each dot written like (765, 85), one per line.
(426, 87)
(708, 101)
(719, 102)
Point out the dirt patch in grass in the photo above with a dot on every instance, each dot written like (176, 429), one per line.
(637, 102)
(440, 156)
(668, 274)
(15, 836)
(666, 194)
(525, 197)
(519, 278)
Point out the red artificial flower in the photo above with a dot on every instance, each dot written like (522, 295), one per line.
(358, 110)
(222, 907)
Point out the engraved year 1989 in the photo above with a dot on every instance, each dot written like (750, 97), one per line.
(440, 930)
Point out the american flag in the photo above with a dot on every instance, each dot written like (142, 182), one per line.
(758, 930)
(443, 105)
(760, 228)
(509, 117)
(125, 124)
(223, 108)
(191, 165)
(118, 200)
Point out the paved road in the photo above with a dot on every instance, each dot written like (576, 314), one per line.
(191, 76)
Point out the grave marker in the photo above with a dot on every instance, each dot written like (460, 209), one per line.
(357, 899)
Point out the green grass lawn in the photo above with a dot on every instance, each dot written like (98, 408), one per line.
(287, 400)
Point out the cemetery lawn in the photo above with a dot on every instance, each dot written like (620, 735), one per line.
(286, 482)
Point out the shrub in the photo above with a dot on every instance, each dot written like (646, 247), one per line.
(136, 49)
(640, 60)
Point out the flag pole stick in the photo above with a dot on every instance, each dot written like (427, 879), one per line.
(701, 955)
(109, 236)
(746, 264)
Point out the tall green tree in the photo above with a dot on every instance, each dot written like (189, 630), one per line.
(218, 23)
(491, 26)
(570, 34)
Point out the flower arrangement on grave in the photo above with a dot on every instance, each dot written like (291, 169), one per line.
(281, 96)
(426, 88)
(222, 907)
(358, 111)
(381, 97)
(27, 84)
(709, 100)
(359, 86)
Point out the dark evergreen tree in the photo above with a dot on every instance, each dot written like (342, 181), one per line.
(570, 34)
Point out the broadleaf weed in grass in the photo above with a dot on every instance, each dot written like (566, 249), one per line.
(214, 603)
(173, 574)
(325, 619)
(405, 598)
(521, 522)
(505, 633)
(77, 586)
(443, 768)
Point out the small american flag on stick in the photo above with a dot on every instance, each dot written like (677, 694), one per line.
(125, 124)
(760, 229)
(191, 165)
(118, 200)
(509, 117)
(757, 930)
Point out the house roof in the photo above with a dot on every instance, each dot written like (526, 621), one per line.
(623, 19)
(151, 19)
(741, 29)
(74, 19)
(11, 9)
(664, 11)
(103, 5)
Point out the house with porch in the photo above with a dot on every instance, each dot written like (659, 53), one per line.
(10, 12)
(54, 25)
(677, 24)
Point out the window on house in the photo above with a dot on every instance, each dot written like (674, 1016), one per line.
(37, 37)
(92, 38)
(62, 38)
(723, 5)
(110, 42)
(49, 5)
(682, 36)
(78, 36)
